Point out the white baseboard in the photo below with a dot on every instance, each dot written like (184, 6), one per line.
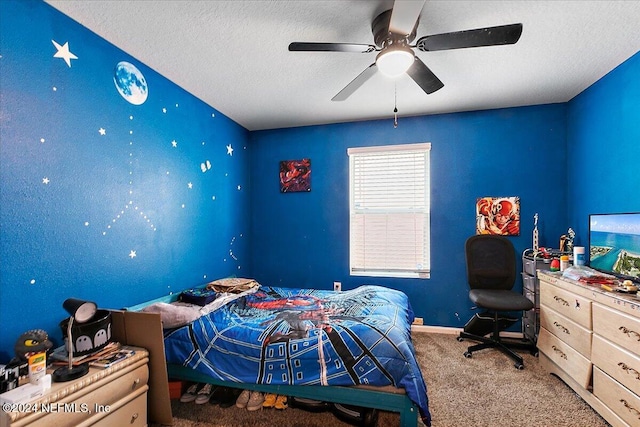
(454, 331)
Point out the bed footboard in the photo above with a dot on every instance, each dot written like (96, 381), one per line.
(366, 397)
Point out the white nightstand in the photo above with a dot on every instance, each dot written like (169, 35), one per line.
(114, 396)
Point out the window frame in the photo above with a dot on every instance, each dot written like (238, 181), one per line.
(420, 213)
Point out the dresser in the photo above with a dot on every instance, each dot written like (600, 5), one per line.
(590, 338)
(113, 396)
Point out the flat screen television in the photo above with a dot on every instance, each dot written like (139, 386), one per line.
(614, 244)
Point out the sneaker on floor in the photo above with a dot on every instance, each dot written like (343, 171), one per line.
(190, 394)
(243, 399)
(204, 394)
(281, 402)
(255, 401)
(269, 400)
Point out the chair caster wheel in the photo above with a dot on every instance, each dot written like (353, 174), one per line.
(460, 339)
(467, 354)
(519, 366)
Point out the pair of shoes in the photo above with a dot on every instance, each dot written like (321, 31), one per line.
(255, 401)
(281, 402)
(277, 401)
(252, 400)
(204, 394)
(190, 394)
(269, 400)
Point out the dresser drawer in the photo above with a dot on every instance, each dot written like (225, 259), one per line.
(618, 398)
(132, 413)
(568, 359)
(619, 363)
(573, 306)
(567, 330)
(617, 327)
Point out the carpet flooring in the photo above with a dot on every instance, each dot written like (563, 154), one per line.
(484, 391)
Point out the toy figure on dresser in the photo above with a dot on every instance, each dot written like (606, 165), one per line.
(566, 241)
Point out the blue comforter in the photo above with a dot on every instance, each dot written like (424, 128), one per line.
(306, 337)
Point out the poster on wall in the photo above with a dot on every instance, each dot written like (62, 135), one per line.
(498, 215)
(295, 175)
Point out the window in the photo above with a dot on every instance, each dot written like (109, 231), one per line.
(389, 211)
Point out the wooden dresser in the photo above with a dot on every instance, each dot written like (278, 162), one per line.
(590, 338)
(113, 396)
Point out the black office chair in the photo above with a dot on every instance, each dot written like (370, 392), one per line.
(491, 274)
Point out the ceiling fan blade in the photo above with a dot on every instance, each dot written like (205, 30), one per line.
(404, 16)
(424, 77)
(331, 47)
(356, 83)
(490, 36)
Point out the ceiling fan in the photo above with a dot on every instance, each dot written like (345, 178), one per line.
(393, 32)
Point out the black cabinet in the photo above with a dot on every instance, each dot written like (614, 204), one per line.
(531, 263)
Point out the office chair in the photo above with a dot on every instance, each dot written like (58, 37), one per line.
(491, 274)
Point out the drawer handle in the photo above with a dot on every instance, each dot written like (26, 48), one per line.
(559, 326)
(561, 300)
(628, 332)
(134, 417)
(627, 369)
(135, 383)
(630, 408)
(557, 350)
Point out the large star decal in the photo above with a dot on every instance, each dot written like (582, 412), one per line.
(63, 52)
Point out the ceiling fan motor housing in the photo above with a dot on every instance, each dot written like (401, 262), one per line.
(381, 34)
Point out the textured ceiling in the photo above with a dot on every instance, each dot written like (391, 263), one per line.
(233, 54)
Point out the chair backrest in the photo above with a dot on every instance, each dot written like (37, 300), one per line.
(491, 262)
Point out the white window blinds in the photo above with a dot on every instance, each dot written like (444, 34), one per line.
(389, 210)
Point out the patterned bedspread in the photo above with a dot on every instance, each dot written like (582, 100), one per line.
(306, 337)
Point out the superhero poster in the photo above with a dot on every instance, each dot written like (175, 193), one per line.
(295, 175)
(498, 215)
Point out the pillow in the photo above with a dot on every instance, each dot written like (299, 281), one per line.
(175, 314)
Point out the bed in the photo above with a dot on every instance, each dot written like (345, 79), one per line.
(352, 347)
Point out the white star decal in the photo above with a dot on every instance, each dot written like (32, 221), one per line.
(63, 52)
(229, 150)
(102, 131)
(45, 180)
(174, 143)
(132, 254)
(190, 185)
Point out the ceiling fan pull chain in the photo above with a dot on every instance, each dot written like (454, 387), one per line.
(395, 105)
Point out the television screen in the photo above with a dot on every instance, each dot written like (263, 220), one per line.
(614, 244)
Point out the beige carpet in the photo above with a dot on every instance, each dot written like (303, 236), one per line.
(485, 390)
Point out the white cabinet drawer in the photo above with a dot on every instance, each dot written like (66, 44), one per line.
(573, 306)
(619, 363)
(132, 413)
(620, 400)
(617, 327)
(568, 359)
(567, 330)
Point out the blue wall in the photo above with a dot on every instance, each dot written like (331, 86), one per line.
(75, 204)
(603, 130)
(62, 236)
(301, 239)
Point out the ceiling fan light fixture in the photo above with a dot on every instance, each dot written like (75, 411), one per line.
(395, 60)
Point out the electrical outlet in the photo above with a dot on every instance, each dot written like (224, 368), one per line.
(337, 286)
(418, 321)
